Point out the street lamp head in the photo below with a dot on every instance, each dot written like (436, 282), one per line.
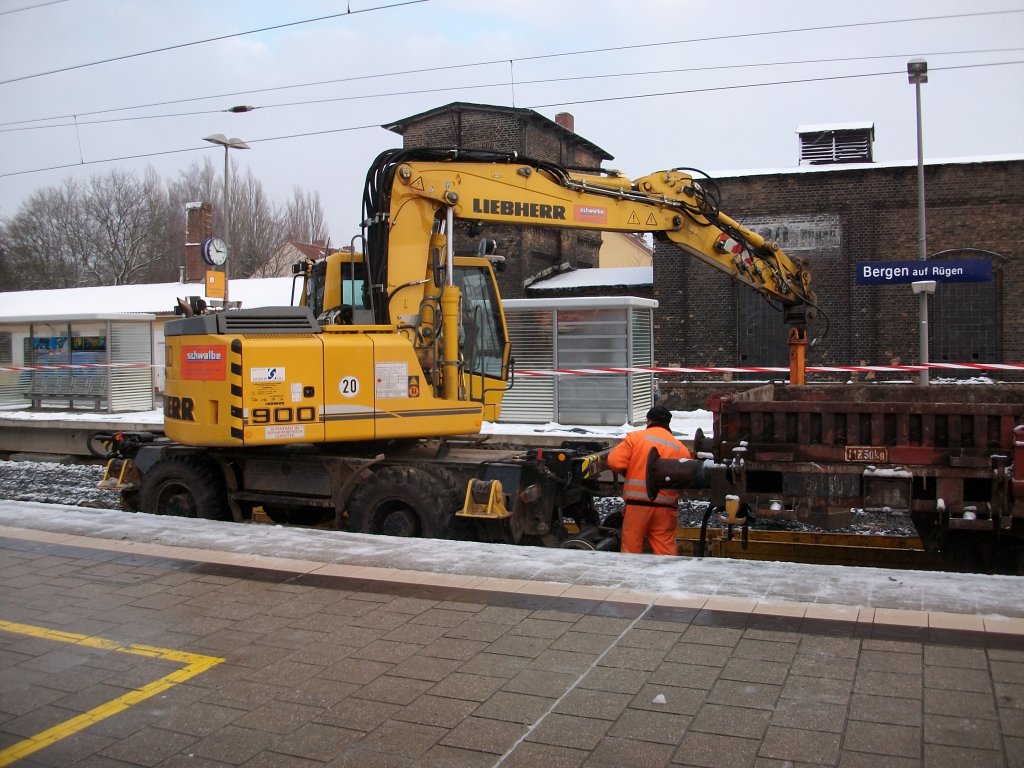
(917, 71)
(224, 141)
(923, 286)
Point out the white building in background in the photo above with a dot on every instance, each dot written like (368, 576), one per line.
(88, 326)
(120, 329)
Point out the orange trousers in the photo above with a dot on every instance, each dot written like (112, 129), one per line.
(657, 524)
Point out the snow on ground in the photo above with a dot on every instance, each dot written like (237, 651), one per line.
(684, 423)
(677, 576)
(681, 577)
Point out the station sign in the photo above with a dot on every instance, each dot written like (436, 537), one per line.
(904, 272)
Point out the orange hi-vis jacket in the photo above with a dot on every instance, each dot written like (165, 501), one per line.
(630, 459)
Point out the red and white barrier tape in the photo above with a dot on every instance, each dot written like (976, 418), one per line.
(980, 367)
(72, 366)
(753, 369)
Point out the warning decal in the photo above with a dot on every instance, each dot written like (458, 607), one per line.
(391, 380)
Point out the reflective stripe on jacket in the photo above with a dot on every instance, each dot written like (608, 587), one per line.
(630, 458)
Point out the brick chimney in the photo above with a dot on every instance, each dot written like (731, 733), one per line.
(566, 120)
(198, 227)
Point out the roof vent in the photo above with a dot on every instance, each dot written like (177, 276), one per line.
(845, 143)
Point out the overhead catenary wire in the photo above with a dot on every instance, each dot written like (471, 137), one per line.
(31, 7)
(758, 85)
(534, 106)
(7, 127)
(510, 61)
(178, 46)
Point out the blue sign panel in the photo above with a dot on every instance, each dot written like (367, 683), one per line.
(903, 272)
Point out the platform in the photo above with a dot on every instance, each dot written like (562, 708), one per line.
(138, 640)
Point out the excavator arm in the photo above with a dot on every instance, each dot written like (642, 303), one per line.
(414, 193)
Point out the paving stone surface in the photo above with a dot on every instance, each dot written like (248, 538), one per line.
(310, 670)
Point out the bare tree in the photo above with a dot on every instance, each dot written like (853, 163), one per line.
(197, 183)
(304, 218)
(116, 228)
(256, 230)
(122, 227)
(46, 240)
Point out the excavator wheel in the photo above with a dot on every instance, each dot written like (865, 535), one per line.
(402, 501)
(183, 486)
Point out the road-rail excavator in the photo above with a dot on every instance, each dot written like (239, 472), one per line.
(348, 405)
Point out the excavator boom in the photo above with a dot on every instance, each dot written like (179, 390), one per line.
(407, 190)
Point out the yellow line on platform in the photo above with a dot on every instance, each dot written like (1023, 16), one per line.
(195, 664)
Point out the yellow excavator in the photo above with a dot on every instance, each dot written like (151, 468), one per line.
(409, 340)
(342, 405)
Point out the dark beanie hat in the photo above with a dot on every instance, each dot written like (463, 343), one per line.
(659, 414)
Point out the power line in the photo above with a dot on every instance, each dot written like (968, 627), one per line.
(758, 85)
(423, 91)
(764, 33)
(79, 123)
(32, 7)
(180, 151)
(448, 67)
(178, 46)
(536, 106)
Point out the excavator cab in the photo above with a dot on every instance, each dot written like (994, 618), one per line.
(335, 289)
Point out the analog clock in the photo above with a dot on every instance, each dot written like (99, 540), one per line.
(215, 251)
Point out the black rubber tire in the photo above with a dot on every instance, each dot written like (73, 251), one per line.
(184, 486)
(402, 501)
(130, 501)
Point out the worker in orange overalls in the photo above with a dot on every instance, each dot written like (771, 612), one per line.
(655, 520)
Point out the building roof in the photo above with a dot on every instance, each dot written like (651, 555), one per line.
(402, 125)
(312, 251)
(847, 167)
(151, 298)
(599, 277)
(865, 126)
(581, 302)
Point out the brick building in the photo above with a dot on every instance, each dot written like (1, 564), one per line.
(835, 217)
(839, 211)
(535, 252)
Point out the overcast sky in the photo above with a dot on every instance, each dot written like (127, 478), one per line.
(696, 83)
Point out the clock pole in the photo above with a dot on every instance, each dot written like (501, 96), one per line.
(222, 140)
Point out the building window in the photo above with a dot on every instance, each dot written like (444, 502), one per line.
(6, 347)
(762, 333)
(964, 325)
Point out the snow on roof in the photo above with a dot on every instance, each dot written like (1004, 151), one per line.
(150, 298)
(597, 277)
(840, 167)
(579, 302)
(835, 127)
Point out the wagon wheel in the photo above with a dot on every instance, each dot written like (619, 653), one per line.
(184, 486)
(403, 501)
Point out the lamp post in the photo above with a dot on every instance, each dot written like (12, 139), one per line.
(224, 141)
(917, 73)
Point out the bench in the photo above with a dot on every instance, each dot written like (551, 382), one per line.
(47, 386)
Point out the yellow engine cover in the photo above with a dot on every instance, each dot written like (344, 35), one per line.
(344, 384)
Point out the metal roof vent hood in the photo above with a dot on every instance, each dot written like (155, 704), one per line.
(838, 143)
